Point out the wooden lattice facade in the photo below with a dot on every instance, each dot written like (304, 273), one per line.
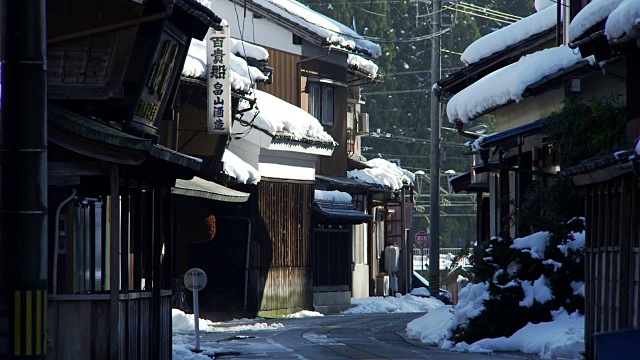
(612, 259)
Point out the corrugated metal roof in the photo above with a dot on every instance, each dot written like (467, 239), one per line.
(201, 188)
(341, 211)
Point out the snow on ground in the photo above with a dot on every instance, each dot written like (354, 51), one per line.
(183, 334)
(304, 314)
(509, 35)
(431, 329)
(623, 19)
(593, 13)
(562, 338)
(398, 304)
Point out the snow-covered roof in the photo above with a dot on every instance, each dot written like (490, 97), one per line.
(623, 20)
(362, 65)
(239, 169)
(543, 4)
(278, 117)
(328, 30)
(510, 35)
(383, 172)
(509, 83)
(590, 15)
(243, 76)
(333, 196)
(248, 50)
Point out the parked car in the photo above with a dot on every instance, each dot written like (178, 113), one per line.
(421, 288)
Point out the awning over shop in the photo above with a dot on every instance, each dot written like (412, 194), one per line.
(465, 182)
(101, 141)
(201, 188)
(346, 184)
(340, 211)
(507, 139)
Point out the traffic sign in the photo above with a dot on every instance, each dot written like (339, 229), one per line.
(195, 279)
(422, 238)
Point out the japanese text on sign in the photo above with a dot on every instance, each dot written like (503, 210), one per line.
(218, 84)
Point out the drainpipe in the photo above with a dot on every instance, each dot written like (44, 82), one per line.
(298, 76)
(56, 237)
(246, 264)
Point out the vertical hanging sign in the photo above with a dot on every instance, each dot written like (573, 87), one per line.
(218, 82)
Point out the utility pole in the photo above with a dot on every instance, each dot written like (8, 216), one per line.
(23, 180)
(434, 187)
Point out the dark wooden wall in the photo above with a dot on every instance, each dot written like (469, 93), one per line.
(284, 76)
(612, 259)
(281, 245)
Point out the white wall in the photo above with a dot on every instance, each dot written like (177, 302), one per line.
(258, 31)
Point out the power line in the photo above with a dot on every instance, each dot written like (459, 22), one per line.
(490, 11)
(395, 92)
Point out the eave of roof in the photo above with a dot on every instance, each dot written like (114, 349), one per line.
(300, 31)
(458, 80)
(549, 82)
(339, 211)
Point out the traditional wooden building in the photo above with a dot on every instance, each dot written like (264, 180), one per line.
(610, 185)
(113, 71)
(316, 68)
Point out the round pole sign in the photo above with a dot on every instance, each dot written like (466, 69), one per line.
(422, 238)
(195, 279)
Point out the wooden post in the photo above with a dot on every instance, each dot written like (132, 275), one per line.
(23, 181)
(114, 266)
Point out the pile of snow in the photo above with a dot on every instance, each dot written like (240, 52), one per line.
(304, 314)
(333, 196)
(248, 50)
(239, 169)
(593, 13)
(431, 329)
(362, 64)
(509, 35)
(535, 244)
(332, 31)
(398, 304)
(384, 173)
(562, 338)
(509, 83)
(274, 115)
(180, 321)
(623, 19)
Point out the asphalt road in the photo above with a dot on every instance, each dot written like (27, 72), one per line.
(371, 336)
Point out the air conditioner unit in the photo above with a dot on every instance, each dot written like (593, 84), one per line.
(363, 123)
(350, 121)
(382, 285)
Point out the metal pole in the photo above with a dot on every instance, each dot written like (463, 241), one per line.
(434, 188)
(23, 180)
(196, 313)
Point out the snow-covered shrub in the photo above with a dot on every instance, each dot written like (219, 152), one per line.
(525, 280)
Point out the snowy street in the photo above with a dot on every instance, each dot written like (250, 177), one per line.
(360, 336)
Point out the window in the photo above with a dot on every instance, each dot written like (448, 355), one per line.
(321, 102)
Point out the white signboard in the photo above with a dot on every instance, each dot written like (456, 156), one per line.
(195, 279)
(218, 82)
